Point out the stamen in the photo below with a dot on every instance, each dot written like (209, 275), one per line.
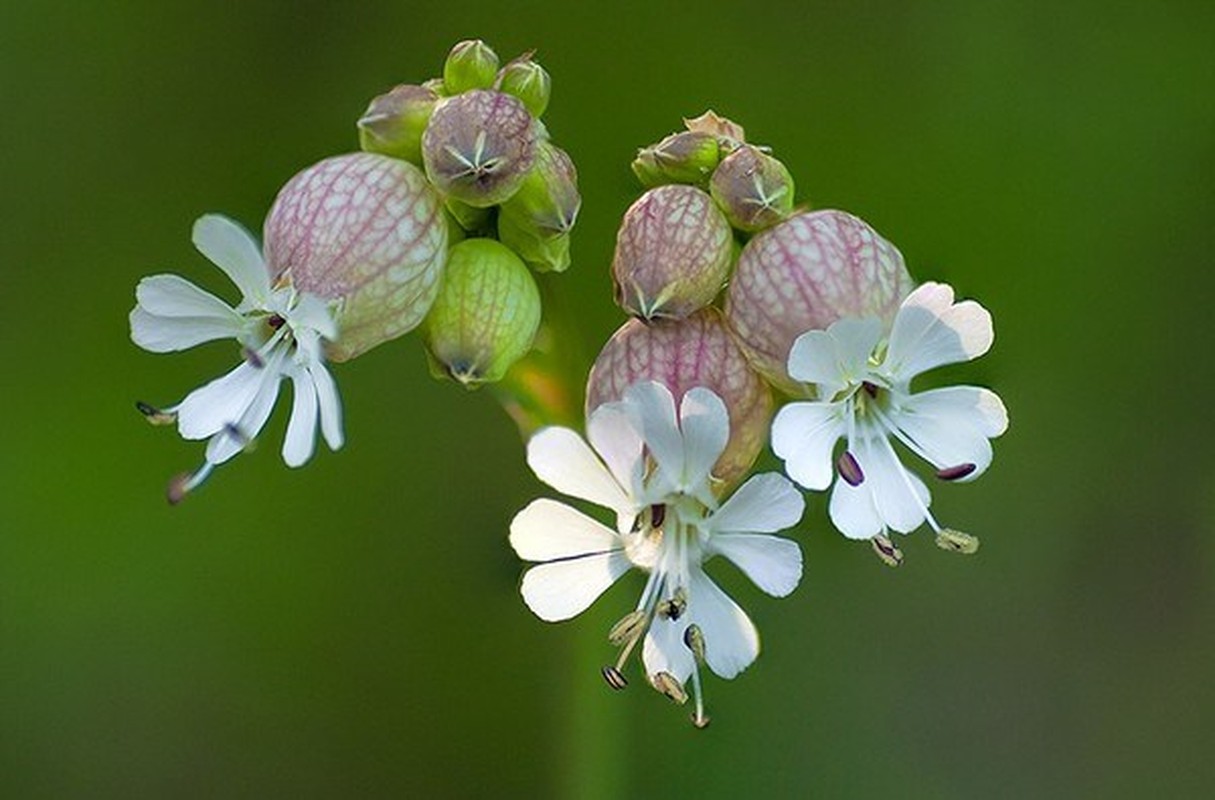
(667, 684)
(658, 514)
(252, 357)
(628, 628)
(275, 321)
(614, 679)
(673, 608)
(957, 541)
(870, 388)
(155, 415)
(184, 483)
(695, 641)
(849, 469)
(956, 472)
(886, 550)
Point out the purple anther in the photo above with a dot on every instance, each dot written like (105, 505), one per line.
(849, 469)
(956, 472)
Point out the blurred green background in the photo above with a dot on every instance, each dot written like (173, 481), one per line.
(354, 628)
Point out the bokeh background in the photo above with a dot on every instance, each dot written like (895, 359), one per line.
(354, 629)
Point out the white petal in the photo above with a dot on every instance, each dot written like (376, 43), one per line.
(227, 443)
(804, 435)
(560, 458)
(313, 313)
(547, 530)
(899, 497)
(812, 359)
(223, 401)
(612, 434)
(931, 330)
(174, 296)
(300, 441)
(170, 334)
(772, 563)
(231, 248)
(563, 589)
(855, 340)
(853, 512)
(952, 425)
(705, 425)
(664, 650)
(731, 641)
(764, 504)
(330, 405)
(653, 410)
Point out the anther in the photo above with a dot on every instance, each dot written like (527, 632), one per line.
(673, 608)
(700, 720)
(154, 415)
(614, 678)
(957, 541)
(252, 358)
(627, 629)
(870, 388)
(695, 641)
(849, 469)
(667, 684)
(886, 550)
(179, 487)
(956, 472)
(275, 321)
(658, 513)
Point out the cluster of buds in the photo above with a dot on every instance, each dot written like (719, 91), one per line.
(457, 191)
(510, 197)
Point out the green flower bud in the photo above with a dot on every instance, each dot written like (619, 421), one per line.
(674, 250)
(528, 81)
(479, 147)
(486, 314)
(471, 64)
(680, 158)
(548, 199)
(754, 189)
(542, 249)
(683, 354)
(364, 230)
(394, 122)
(804, 274)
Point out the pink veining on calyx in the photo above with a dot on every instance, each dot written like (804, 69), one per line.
(805, 274)
(684, 354)
(366, 230)
(673, 253)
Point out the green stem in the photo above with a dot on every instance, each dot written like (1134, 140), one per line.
(546, 388)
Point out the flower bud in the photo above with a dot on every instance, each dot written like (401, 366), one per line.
(479, 146)
(393, 123)
(674, 250)
(528, 81)
(680, 158)
(365, 230)
(729, 134)
(542, 249)
(548, 199)
(471, 64)
(754, 189)
(804, 274)
(486, 314)
(683, 354)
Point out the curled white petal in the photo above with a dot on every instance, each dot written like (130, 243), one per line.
(547, 530)
(774, 564)
(559, 590)
(804, 435)
(231, 248)
(330, 404)
(931, 330)
(300, 440)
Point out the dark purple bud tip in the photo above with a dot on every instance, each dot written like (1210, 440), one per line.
(614, 678)
(849, 469)
(955, 473)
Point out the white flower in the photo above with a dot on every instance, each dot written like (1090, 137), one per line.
(668, 525)
(280, 332)
(863, 384)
